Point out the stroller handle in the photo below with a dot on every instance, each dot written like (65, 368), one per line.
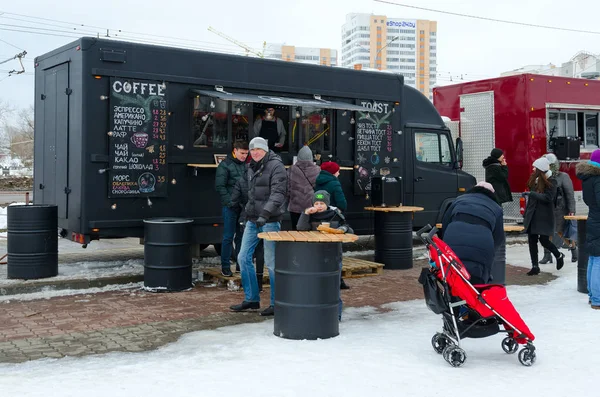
(428, 238)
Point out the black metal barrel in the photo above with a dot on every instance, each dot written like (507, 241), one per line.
(394, 239)
(583, 256)
(167, 254)
(307, 288)
(32, 245)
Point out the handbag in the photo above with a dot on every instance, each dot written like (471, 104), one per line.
(432, 290)
(570, 230)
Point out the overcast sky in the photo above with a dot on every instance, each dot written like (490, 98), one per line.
(472, 48)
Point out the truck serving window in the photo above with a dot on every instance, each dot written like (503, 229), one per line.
(432, 147)
(240, 120)
(210, 118)
(316, 127)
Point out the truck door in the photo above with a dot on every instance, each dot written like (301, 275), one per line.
(434, 175)
(56, 137)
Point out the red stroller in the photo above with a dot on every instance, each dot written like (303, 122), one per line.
(482, 309)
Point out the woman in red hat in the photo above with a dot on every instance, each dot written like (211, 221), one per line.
(328, 181)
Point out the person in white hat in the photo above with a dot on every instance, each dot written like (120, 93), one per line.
(539, 214)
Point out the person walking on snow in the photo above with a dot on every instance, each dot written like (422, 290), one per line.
(539, 214)
(564, 204)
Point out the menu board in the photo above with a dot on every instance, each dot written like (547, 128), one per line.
(139, 125)
(373, 144)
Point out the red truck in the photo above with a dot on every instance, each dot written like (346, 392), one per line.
(527, 116)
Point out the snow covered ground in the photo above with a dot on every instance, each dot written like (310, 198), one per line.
(375, 354)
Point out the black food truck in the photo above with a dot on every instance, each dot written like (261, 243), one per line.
(126, 132)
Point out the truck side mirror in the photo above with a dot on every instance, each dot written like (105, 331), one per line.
(459, 153)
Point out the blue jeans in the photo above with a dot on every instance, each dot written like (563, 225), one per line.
(231, 233)
(593, 279)
(248, 272)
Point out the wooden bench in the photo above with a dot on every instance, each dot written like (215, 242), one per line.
(351, 268)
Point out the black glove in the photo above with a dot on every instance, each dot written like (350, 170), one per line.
(260, 222)
(344, 228)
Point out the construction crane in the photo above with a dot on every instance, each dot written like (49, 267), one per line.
(240, 44)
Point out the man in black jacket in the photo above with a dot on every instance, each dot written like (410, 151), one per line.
(228, 173)
(266, 183)
(496, 174)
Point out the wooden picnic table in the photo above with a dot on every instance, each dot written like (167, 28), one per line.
(583, 255)
(394, 235)
(308, 268)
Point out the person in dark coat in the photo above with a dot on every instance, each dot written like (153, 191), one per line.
(589, 173)
(539, 214)
(267, 184)
(228, 173)
(564, 204)
(328, 181)
(302, 179)
(496, 174)
(320, 212)
(473, 227)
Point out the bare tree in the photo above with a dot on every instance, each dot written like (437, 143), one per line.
(21, 137)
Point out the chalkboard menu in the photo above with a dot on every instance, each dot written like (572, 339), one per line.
(373, 144)
(138, 137)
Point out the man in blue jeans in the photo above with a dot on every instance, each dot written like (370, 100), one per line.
(229, 172)
(266, 184)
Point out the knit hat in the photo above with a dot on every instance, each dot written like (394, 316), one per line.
(259, 143)
(305, 154)
(323, 196)
(487, 186)
(330, 166)
(496, 153)
(542, 164)
(553, 160)
(595, 156)
(551, 157)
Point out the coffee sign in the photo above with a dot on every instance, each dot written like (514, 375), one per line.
(138, 138)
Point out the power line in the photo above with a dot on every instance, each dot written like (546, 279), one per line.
(533, 25)
(50, 20)
(6, 42)
(40, 33)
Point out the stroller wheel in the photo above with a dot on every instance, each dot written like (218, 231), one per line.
(454, 355)
(527, 357)
(509, 345)
(439, 342)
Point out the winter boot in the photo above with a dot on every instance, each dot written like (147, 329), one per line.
(534, 271)
(560, 261)
(574, 254)
(547, 257)
(259, 280)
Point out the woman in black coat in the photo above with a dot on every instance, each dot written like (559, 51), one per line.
(539, 214)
